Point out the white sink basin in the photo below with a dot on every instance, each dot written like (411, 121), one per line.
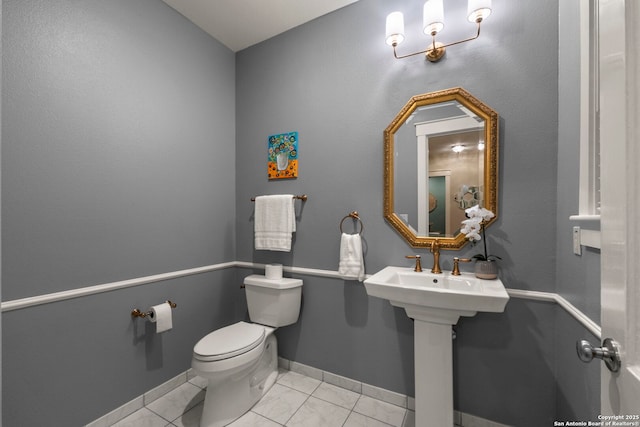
(463, 295)
(435, 302)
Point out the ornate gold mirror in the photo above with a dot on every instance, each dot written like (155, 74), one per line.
(440, 158)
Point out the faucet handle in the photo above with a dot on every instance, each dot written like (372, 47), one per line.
(456, 267)
(418, 266)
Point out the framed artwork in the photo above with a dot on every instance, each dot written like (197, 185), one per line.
(283, 156)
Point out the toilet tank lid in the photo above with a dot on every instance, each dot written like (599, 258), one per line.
(282, 283)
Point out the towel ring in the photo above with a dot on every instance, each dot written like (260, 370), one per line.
(356, 217)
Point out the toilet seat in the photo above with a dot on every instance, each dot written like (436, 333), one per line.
(230, 341)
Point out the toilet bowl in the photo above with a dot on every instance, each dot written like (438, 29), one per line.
(240, 361)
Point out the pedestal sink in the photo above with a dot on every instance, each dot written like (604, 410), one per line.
(435, 302)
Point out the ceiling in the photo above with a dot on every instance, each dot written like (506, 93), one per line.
(239, 24)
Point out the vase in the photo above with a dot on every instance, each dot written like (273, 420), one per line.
(486, 270)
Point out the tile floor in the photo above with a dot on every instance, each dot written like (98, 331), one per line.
(295, 400)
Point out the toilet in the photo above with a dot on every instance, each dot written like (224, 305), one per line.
(240, 361)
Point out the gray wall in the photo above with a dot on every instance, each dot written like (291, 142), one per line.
(118, 144)
(117, 162)
(119, 120)
(337, 84)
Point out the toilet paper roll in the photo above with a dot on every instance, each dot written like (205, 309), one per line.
(273, 271)
(161, 316)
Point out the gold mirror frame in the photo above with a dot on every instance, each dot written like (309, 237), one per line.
(490, 162)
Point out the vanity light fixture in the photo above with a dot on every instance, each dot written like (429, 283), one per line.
(433, 23)
(481, 145)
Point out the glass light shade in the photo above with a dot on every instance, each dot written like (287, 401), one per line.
(395, 28)
(478, 10)
(458, 148)
(433, 17)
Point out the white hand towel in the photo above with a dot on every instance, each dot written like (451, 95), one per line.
(274, 222)
(351, 264)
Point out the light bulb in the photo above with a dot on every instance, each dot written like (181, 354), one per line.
(477, 10)
(433, 17)
(395, 29)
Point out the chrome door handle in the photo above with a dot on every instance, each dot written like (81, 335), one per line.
(609, 353)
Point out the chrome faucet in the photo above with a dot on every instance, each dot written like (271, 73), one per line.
(418, 266)
(435, 250)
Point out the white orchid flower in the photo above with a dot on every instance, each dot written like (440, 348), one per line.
(478, 212)
(471, 224)
(471, 227)
(474, 236)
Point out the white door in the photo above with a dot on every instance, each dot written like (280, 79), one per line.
(619, 30)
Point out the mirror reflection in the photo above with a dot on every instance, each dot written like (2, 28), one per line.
(441, 154)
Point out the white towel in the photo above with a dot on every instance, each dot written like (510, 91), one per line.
(351, 260)
(274, 222)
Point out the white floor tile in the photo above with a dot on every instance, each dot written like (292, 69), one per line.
(282, 372)
(199, 382)
(176, 402)
(334, 394)
(142, 418)
(296, 400)
(280, 403)
(164, 388)
(381, 411)
(119, 413)
(359, 420)
(318, 413)
(251, 419)
(191, 418)
(299, 382)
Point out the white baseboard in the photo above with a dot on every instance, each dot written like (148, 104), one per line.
(140, 401)
(461, 419)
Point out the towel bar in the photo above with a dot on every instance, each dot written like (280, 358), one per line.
(302, 197)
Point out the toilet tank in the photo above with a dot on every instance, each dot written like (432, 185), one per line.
(273, 302)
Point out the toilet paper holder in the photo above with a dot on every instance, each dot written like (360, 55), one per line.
(137, 313)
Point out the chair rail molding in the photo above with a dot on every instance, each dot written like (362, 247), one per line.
(23, 303)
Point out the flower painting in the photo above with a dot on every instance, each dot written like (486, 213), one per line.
(283, 156)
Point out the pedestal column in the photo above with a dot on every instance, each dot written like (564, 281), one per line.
(433, 354)
(434, 374)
